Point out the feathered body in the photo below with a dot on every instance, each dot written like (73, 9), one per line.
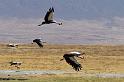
(38, 41)
(70, 59)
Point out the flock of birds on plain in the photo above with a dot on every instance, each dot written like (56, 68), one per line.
(69, 57)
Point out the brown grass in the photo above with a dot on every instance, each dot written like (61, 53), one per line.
(98, 58)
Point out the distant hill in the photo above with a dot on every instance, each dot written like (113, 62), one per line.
(84, 21)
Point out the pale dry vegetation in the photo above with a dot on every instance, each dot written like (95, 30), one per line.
(98, 58)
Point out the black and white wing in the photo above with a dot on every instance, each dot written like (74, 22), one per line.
(38, 41)
(49, 15)
(73, 62)
(39, 44)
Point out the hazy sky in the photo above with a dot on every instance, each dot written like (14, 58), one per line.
(64, 9)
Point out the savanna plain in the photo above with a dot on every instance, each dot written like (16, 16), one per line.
(98, 59)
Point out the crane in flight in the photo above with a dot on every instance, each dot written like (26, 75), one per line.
(39, 42)
(70, 59)
(48, 19)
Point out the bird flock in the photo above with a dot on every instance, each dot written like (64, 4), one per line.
(68, 57)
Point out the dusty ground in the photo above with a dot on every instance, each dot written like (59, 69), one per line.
(98, 59)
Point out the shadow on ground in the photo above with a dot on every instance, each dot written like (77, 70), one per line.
(21, 79)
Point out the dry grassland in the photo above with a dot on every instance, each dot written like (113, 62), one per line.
(98, 58)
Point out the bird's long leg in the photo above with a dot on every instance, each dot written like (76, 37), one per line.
(59, 23)
(17, 66)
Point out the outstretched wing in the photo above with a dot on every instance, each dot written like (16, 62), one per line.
(49, 15)
(73, 62)
(38, 41)
(39, 44)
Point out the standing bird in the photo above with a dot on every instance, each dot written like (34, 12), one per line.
(70, 59)
(39, 42)
(12, 45)
(49, 18)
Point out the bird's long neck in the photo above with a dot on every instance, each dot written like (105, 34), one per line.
(82, 57)
(42, 23)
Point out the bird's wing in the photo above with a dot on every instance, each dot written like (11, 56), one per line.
(46, 16)
(52, 9)
(73, 62)
(49, 15)
(39, 44)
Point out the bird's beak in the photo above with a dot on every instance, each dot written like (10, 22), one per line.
(82, 53)
(44, 42)
(81, 56)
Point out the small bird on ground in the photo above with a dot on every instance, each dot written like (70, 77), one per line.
(16, 64)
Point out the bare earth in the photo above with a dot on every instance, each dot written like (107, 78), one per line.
(100, 60)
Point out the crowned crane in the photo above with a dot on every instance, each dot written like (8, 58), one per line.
(16, 64)
(70, 59)
(48, 19)
(12, 45)
(39, 42)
